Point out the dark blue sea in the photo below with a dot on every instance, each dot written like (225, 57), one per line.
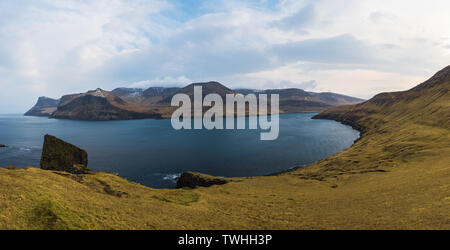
(152, 153)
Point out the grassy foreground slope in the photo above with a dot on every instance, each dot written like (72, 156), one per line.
(397, 176)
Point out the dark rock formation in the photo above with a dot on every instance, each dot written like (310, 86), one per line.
(62, 156)
(192, 180)
(44, 107)
(2, 146)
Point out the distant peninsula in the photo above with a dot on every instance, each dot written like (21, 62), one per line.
(44, 107)
(154, 102)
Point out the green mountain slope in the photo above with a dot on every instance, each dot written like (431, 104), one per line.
(396, 176)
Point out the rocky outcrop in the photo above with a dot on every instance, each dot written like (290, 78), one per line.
(193, 180)
(2, 146)
(44, 107)
(62, 156)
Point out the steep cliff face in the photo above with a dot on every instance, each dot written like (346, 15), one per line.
(44, 107)
(98, 105)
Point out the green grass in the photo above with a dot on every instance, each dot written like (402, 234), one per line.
(396, 176)
(180, 196)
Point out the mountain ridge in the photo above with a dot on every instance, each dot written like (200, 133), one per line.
(154, 102)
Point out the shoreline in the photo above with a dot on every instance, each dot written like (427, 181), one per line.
(292, 169)
(154, 118)
(286, 170)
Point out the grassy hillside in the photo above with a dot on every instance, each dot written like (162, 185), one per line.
(397, 176)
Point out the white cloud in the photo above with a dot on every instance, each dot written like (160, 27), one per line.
(356, 47)
(363, 83)
(167, 81)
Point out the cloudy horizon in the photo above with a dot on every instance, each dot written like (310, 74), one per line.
(352, 47)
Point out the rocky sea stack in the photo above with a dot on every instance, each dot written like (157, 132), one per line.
(62, 156)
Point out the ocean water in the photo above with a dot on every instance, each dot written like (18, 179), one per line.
(152, 153)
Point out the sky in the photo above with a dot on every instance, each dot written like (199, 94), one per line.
(353, 47)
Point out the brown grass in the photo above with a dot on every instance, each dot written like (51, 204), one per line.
(397, 176)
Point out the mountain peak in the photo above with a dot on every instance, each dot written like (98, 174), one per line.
(44, 98)
(98, 92)
(208, 87)
(206, 84)
(43, 107)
